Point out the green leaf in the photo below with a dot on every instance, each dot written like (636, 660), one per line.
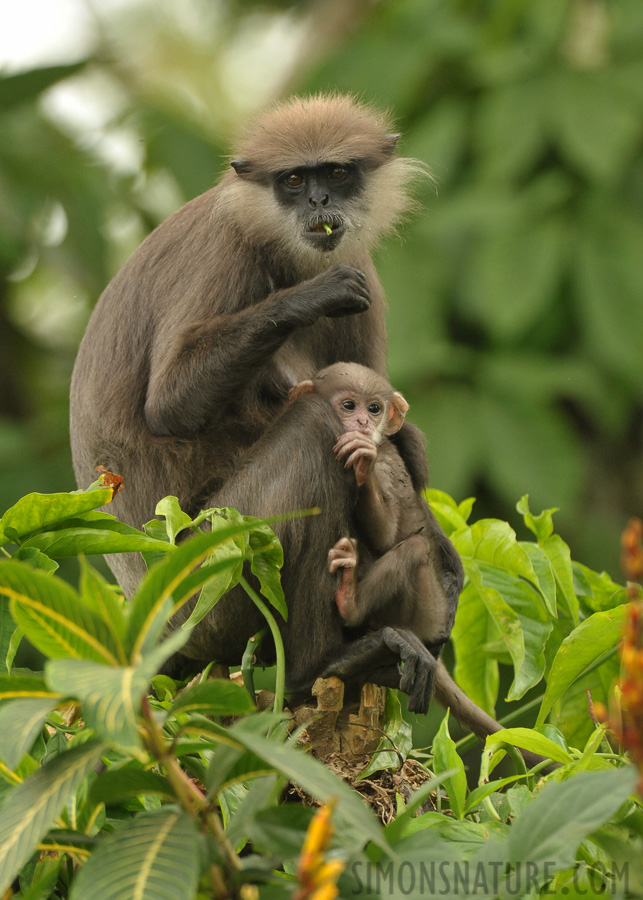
(110, 695)
(528, 739)
(7, 631)
(115, 786)
(24, 686)
(475, 672)
(542, 525)
(36, 559)
(561, 562)
(175, 519)
(450, 515)
(587, 643)
(445, 757)
(53, 616)
(94, 534)
(266, 562)
(599, 592)
(215, 697)
(154, 857)
(548, 832)
(596, 126)
(232, 551)
(25, 87)
(34, 511)
(20, 723)
(170, 583)
(106, 602)
(31, 808)
(544, 574)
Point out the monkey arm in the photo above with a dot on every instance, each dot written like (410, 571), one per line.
(197, 369)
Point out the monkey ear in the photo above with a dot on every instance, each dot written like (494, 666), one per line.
(390, 143)
(304, 387)
(241, 166)
(396, 413)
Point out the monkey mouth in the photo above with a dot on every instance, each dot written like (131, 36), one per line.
(325, 233)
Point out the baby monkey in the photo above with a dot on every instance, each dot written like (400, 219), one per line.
(402, 571)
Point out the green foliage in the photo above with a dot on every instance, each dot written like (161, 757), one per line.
(517, 286)
(155, 798)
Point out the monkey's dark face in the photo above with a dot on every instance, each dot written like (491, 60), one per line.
(321, 198)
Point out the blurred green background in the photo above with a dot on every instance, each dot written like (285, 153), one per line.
(515, 293)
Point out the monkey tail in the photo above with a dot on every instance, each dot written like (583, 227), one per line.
(469, 714)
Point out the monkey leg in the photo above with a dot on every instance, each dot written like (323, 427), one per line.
(344, 556)
(389, 578)
(376, 657)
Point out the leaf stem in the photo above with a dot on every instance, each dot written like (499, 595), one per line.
(280, 684)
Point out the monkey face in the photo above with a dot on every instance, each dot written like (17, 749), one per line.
(322, 198)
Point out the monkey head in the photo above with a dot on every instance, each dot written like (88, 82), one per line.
(320, 171)
(363, 401)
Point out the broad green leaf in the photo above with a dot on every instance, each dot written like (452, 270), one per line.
(36, 559)
(93, 535)
(475, 672)
(110, 698)
(507, 624)
(544, 574)
(23, 685)
(542, 525)
(114, 786)
(550, 829)
(526, 602)
(399, 826)
(31, 808)
(215, 697)
(531, 740)
(445, 757)
(596, 126)
(175, 519)
(170, 583)
(561, 562)
(7, 631)
(450, 515)
(280, 830)
(355, 823)
(266, 562)
(24, 87)
(232, 551)
(35, 511)
(485, 790)
(14, 642)
(20, 723)
(154, 857)
(585, 645)
(53, 616)
(110, 695)
(599, 592)
(105, 601)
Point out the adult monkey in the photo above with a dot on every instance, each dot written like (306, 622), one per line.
(241, 294)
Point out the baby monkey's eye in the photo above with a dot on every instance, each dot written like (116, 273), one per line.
(294, 179)
(349, 404)
(375, 409)
(338, 173)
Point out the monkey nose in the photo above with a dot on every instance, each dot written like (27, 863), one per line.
(315, 201)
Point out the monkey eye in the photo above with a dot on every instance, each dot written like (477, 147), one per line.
(294, 179)
(338, 173)
(349, 404)
(375, 409)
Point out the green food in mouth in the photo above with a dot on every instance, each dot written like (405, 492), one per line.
(327, 228)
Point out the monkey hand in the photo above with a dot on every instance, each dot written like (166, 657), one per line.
(340, 291)
(358, 451)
